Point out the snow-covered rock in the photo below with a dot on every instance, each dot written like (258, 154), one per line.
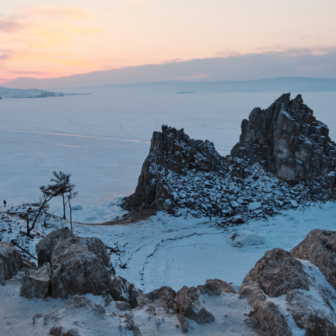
(246, 238)
(10, 261)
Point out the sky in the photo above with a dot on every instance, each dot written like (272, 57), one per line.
(50, 38)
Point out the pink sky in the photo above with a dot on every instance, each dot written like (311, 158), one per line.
(71, 37)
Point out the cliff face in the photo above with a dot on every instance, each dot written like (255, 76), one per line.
(284, 157)
(287, 140)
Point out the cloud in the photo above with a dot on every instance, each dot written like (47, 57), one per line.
(9, 25)
(39, 73)
(6, 54)
(57, 13)
(318, 62)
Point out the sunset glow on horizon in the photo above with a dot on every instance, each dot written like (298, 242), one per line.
(52, 39)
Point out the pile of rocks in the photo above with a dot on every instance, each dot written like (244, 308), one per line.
(284, 158)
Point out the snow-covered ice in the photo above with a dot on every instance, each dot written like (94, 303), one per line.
(103, 140)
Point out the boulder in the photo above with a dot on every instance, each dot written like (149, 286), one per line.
(188, 305)
(10, 261)
(45, 246)
(288, 270)
(165, 296)
(319, 247)
(215, 287)
(35, 283)
(300, 289)
(288, 141)
(77, 269)
(121, 290)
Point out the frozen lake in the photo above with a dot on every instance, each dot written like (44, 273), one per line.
(104, 138)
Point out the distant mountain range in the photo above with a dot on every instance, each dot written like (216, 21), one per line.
(286, 84)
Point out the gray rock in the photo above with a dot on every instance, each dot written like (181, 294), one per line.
(35, 283)
(121, 290)
(319, 247)
(122, 305)
(10, 261)
(76, 269)
(188, 304)
(288, 270)
(46, 245)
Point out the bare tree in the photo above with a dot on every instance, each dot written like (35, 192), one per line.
(63, 186)
(70, 197)
(37, 208)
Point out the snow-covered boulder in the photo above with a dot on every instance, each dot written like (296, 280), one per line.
(246, 238)
(10, 261)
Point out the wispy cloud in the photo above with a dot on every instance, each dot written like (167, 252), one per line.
(9, 25)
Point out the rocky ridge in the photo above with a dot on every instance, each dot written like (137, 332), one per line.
(284, 159)
(280, 296)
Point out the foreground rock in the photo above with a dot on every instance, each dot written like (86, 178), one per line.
(284, 159)
(319, 247)
(121, 290)
(45, 246)
(35, 283)
(279, 280)
(10, 261)
(77, 266)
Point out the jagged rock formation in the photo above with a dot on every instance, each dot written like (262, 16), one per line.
(10, 261)
(288, 141)
(284, 158)
(171, 151)
(280, 296)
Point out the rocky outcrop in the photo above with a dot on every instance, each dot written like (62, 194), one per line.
(45, 246)
(35, 283)
(171, 151)
(79, 266)
(121, 290)
(282, 150)
(288, 141)
(280, 283)
(10, 261)
(288, 270)
(189, 306)
(319, 247)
